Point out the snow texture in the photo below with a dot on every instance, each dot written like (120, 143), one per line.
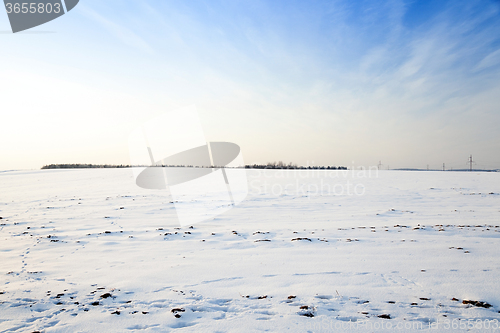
(307, 251)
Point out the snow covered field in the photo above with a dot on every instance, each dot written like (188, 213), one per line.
(319, 251)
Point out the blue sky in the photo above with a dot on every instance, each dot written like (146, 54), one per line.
(408, 83)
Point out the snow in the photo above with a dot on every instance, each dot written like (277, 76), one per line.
(402, 244)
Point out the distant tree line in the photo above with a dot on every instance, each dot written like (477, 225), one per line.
(281, 165)
(83, 166)
(111, 166)
(274, 165)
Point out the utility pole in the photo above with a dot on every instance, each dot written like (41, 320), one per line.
(427, 167)
(470, 162)
(379, 164)
(444, 167)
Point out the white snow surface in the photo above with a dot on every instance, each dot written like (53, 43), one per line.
(89, 251)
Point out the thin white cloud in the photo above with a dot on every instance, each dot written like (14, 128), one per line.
(492, 59)
(124, 34)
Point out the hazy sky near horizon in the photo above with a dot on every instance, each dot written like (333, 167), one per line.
(339, 82)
